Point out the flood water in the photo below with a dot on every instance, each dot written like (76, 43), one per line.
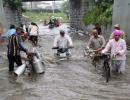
(74, 79)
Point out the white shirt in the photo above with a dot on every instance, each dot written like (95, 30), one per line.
(63, 42)
(24, 28)
(116, 47)
(33, 30)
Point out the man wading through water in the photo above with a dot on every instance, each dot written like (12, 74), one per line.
(14, 48)
(117, 47)
(33, 33)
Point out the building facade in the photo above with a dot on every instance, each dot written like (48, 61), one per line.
(10, 16)
(121, 15)
(78, 8)
(2, 14)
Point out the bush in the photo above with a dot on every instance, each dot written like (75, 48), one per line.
(101, 13)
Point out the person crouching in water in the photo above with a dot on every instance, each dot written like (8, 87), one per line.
(14, 47)
(33, 32)
(117, 47)
(62, 42)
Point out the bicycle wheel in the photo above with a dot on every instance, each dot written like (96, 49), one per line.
(94, 61)
(107, 71)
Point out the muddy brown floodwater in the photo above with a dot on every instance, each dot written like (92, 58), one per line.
(74, 79)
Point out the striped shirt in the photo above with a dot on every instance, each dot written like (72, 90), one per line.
(15, 45)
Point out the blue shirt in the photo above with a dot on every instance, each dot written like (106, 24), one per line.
(11, 32)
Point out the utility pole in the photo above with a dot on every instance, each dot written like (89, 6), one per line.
(31, 5)
(53, 5)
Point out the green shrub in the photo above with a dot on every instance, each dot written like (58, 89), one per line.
(101, 13)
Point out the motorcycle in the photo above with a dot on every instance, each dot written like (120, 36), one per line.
(62, 53)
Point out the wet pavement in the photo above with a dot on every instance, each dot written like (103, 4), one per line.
(74, 79)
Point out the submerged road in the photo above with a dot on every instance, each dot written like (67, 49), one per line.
(74, 79)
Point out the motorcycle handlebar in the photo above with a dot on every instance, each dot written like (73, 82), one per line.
(60, 48)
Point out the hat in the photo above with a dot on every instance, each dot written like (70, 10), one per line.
(117, 33)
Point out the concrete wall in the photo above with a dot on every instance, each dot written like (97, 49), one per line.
(2, 14)
(10, 16)
(13, 16)
(75, 13)
(121, 15)
(78, 8)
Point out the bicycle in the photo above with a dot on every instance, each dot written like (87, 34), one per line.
(106, 66)
(92, 55)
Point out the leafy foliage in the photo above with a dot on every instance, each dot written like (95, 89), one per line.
(101, 13)
(65, 7)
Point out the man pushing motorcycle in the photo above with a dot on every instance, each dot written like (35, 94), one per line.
(62, 43)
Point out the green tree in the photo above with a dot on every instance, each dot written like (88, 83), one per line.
(101, 13)
(66, 8)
